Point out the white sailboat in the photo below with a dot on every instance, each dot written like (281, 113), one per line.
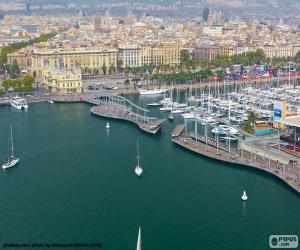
(139, 240)
(138, 169)
(244, 196)
(12, 160)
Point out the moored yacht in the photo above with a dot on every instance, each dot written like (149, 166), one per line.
(152, 91)
(19, 103)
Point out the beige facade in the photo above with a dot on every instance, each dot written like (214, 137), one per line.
(280, 51)
(163, 54)
(76, 58)
(23, 59)
(62, 81)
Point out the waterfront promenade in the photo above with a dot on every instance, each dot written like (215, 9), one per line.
(289, 172)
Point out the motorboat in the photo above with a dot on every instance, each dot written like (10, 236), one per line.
(19, 103)
(170, 117)
(107, 125)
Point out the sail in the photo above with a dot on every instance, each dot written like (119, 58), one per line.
(139, 241)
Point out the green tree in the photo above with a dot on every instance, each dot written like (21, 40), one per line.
(14, 70)
(111, 69)
(119, 66)
(127, 82)
(104, 69)
(184, 56)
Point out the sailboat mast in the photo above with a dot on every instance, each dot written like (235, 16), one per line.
(138, 153)
(12, 142)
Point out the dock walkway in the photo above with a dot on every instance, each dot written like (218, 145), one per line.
(288, 173)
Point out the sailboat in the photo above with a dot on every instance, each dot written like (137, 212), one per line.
(12, 160)
(139, 240)
(138, 170)
(244, 196)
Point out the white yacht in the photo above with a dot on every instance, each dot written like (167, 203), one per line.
(107, 125)
(153, 91)
(244, 196)
(12, 160)
(224, 130)
(191, 115)
(138, 169)
(177, 111)
(19, 103)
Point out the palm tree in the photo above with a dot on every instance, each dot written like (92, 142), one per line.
(252, 118)
(127, 82)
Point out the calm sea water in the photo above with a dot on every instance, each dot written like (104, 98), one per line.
(76, 183)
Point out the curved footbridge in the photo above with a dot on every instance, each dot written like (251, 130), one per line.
(117, 107)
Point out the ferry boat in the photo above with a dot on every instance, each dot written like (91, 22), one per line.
(153, 91)
(19, 103)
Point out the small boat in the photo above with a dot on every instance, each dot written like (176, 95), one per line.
(139, 240)
(107, 125)
(244, 196)
(153, 105)
(12, 160)
(51, 102)
(138, 169)
(170, 117)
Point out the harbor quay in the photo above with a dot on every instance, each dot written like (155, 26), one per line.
(244, 155)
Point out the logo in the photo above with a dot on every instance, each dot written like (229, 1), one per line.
(283, 241)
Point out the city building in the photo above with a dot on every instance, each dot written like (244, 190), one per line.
(62, 81)
(130, 56)
(207, 53)
(161, 54)
(280, 51)
(205, 14)
(87, 59)
(23, 59)
(213, 30)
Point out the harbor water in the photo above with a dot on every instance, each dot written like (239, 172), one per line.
(75, 183)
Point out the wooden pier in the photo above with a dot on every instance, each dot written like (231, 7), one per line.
(244, 156)
(117, 107)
